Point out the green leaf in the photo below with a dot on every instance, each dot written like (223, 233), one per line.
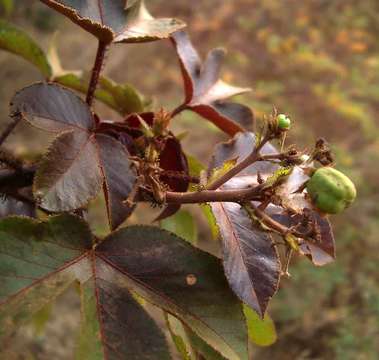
(128, 100)
(208, 213)
(38, 261)
(122, 98)
(222, 170)
(79, 82)
(262, 332)
(179, 337)
(18, 42)
(188, 343)
(182, 224)
(202, 347)
(194, 165)
(116, 20)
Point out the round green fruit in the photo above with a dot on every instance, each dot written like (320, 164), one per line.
(284, 122)
(330, 190)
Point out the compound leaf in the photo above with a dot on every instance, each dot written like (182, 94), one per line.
(38, 261)
(119, 178)
(141, 26)
(186, 341)
(79, 161)
(69, 174)
(114, 325)
(182, 280)
(52, 107)
(116, 20)
(205, 93)
(251, 261)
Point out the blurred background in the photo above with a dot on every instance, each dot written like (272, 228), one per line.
(316, 60)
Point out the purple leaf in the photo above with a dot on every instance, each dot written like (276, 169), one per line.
(205, 93)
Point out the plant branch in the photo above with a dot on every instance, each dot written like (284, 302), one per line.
(276, 226)
(249, 160)
(95, 75)
(204, 196)
(15, 120)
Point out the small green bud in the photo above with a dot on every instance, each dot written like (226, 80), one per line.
(284, 122)
(330, 190)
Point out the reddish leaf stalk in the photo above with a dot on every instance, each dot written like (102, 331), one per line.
(178, 110)
(95, 75)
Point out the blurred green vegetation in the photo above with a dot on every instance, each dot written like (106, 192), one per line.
(316, 60)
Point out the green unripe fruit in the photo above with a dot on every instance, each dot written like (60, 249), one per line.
(284, 122)
(331, 191)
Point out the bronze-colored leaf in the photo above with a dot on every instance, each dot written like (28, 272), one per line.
(205, 93)
(38, 260)
(181, 279)
(239, 148)
(52, 107)
(69, 175)
(80, 159)
(119, 178)
(320, 251)
(251, 262)
(116, 20)
(114, 325)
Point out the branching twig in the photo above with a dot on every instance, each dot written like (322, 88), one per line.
(249, 160)
(237, 195)
(102, 48)
(276, 226)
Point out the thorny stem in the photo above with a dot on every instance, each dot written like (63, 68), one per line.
(16, 119)
(249, 160)
(95, 75)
